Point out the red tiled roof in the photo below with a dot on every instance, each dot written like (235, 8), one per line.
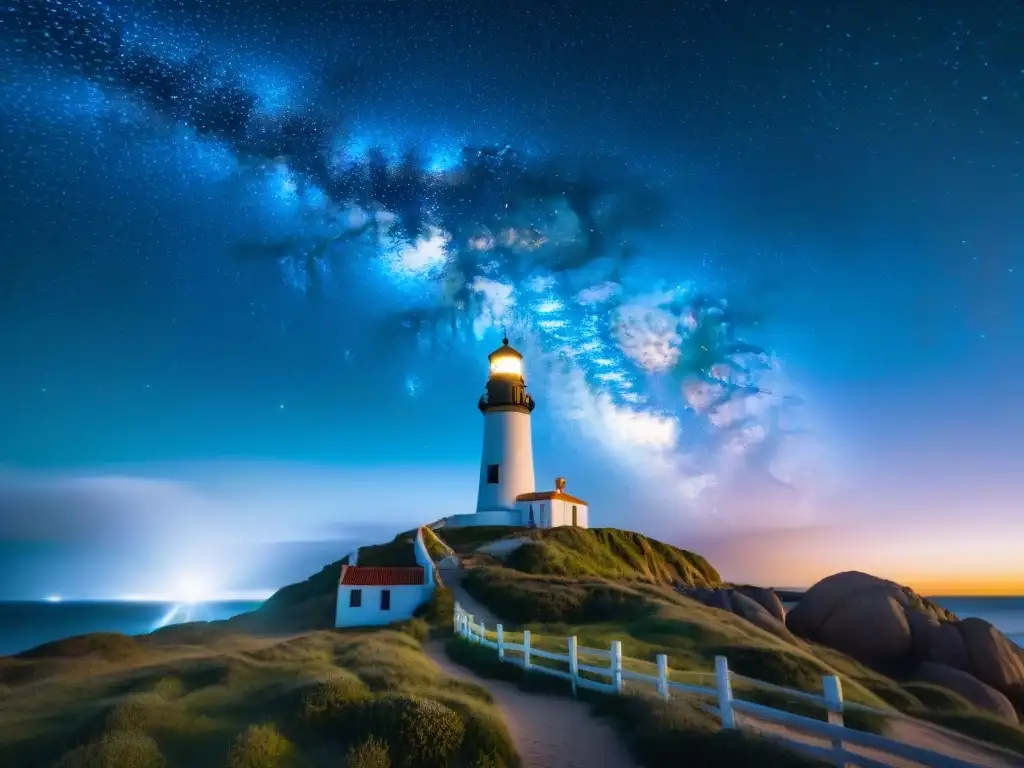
(549, 496)
(368, 576)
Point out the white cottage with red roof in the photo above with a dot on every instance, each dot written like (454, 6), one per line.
(370, 596)
(507, 493)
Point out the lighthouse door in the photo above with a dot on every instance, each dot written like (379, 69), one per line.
(532, 523)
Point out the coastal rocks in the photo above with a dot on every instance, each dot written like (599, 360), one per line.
(888, 625)
(743, 605)
(971, 688)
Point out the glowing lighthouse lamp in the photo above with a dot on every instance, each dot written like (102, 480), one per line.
(506, 463)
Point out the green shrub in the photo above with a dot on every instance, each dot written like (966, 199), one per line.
(260, 746)
(169, 688)
(438, 610)
(137, 712)
(421, 733)
(371, 753)
(115, 750)
(486, 742)
(415, 628)
(328, 701)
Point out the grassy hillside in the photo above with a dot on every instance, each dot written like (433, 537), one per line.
(310, 604)
(609, 553)
(603, 584)
(240, 701)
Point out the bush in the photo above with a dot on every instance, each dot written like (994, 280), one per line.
(137, 712)
(372, 753)
(328, 701)
(261, 746)
(486, 742)
(115, 750)
(415, 628)
(438, 610)
(422, 733)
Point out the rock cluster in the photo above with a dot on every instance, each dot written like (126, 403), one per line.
(887, 625)
(757, 605)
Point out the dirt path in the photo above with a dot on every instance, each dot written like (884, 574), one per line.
(548, 731)
(452, 578)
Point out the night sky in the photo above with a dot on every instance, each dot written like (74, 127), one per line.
(765, 264)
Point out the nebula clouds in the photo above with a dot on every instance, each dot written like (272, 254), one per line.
(495, 238)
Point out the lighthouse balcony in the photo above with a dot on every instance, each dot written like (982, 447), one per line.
(516, 398)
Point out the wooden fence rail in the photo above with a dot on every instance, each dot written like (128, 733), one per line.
(722, 704)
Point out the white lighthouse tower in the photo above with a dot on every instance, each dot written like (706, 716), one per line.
(506, 462)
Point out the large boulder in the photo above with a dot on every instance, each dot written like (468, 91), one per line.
(971, 688)
(745, 607)
(886, 624)
(767, 599)
(994, 659)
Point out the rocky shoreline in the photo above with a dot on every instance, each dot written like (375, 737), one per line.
(891, 628)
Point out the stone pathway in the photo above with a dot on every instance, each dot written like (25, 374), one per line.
(548, 731)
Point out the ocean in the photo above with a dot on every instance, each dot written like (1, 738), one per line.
(26, 625)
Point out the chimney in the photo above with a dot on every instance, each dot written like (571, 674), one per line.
(559, 484)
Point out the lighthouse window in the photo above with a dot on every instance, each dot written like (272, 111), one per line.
(385, 600)
(492, 474)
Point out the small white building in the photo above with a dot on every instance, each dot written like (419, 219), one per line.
(506, 493)
(370, 596)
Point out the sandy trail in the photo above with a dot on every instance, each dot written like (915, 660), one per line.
(548, 731)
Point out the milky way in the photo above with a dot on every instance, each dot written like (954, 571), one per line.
(487, 237)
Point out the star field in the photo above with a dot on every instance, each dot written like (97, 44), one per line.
(756, 255)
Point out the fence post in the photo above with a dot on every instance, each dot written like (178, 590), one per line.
(455, 619)
(617, 665)
(574, 668)
(526, 649)
(834, 704)
(724, 685)
(469, 627)
(483, 633)
(663, 675)
(501, 643)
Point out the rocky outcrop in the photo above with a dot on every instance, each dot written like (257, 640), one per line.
(967, 685)
(743, 605)
(767, 599)
(888, 625)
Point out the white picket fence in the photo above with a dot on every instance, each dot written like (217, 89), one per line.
(845, 746)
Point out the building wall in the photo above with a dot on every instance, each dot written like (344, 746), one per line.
(552, 513)
(494, 517)
(404, 600)
(509, 444)
(423, 559)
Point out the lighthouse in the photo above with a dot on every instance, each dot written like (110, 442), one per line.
(506, 494)
(506, 461)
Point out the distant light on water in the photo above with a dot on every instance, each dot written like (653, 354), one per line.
(52, 599)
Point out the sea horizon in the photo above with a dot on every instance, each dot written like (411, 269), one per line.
(26, 624)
